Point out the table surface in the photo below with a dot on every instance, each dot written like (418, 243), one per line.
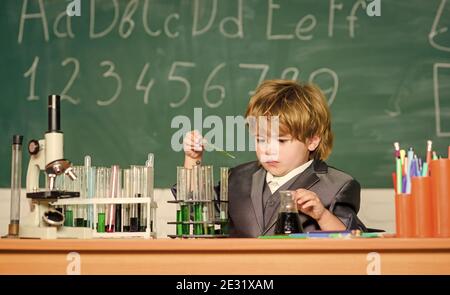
(235, 256)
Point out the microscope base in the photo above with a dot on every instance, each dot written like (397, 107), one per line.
(51, 233)
(32, 232)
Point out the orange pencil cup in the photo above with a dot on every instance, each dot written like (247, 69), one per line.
(424, 208)
(440, 192)
(405, 216)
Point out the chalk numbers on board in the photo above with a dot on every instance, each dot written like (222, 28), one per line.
(118, 81)
(76, 70)
(32, 74)
(178, 80)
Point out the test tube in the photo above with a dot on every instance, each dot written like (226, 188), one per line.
(126, 193)
(211, 218)
(113, 193)
(224, 173)
(101, 190)
(136, 193)
(142, 206)
(208, 217)
(198, 195)
(89, 173)
(68, 209)
(118, 207)
(83, 193)
(16, 177)
(183, 190)
(79, 187)
(180, 197)
(149, 164)
(179, 219)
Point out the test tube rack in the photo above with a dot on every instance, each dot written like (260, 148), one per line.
(206, 228)
(151, 211)
(198, 205)
(101, 190)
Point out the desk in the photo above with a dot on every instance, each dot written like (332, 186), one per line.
(227, 256)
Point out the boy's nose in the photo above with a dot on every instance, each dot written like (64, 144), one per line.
(272, 147)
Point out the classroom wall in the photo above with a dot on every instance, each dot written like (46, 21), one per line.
(377, 210)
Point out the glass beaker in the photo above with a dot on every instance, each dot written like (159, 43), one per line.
(288, 221)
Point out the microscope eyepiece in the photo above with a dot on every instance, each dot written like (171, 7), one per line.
(54, 119)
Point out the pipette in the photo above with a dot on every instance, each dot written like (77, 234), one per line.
(217, 149)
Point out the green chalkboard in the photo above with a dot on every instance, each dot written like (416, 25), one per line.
(126, 69)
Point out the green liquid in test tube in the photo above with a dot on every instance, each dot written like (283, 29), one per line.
(211, 230)
(198, 216)
(224, 228)
(68, 218)
(179, 225)
(101, 223)
(185, 216)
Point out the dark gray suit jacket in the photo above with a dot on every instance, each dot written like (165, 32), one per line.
(338, 191)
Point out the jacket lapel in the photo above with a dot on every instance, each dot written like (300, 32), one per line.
(305, 180)
(258, 179)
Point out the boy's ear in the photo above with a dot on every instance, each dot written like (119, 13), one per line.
(313, 143)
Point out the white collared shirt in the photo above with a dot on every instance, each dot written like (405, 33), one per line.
(274, 182)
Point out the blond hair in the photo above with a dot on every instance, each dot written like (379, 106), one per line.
(302, 111)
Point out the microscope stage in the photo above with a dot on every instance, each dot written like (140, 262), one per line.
(52, 195)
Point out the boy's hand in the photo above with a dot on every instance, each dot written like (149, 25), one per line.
(192, 145)
(309, 203)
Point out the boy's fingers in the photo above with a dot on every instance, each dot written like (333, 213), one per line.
(188, 148)
(196, 136)
(301, 191)
(308, 204)
(193, 137)
(190, 145)
(303, 198)
(187, 140)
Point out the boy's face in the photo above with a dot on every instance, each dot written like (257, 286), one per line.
(280, 155)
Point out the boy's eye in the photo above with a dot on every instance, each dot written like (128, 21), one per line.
(283, 140)
(260, 140)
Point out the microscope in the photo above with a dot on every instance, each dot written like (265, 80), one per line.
(46, 155)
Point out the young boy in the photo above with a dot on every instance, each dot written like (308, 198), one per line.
(326, 198)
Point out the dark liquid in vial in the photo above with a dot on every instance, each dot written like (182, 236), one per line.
(79, 222)
(118, 225)
(134, 224)
(288, 223)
